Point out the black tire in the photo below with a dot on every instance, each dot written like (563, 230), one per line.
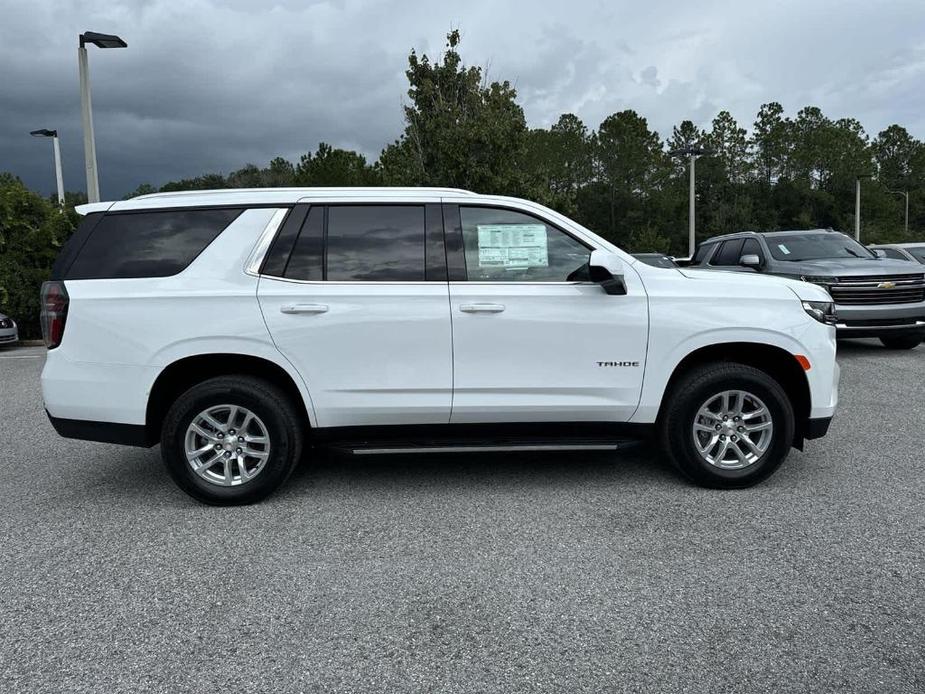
(685, 399)
(276, 411)
(902, 341)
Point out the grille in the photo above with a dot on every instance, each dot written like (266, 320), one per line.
(882, 323)
(876, 289)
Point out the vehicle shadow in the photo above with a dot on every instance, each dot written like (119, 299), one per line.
(139, 476)
(462, 470)
(848, 349)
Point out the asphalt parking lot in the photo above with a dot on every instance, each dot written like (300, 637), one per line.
(471, 573)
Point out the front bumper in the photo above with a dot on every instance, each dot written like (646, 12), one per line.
(880, 320)
(9, 335)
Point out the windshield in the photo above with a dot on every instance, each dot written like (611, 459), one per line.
(918, 252)
(816, 247)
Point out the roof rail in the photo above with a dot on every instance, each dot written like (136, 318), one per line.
(306, 190)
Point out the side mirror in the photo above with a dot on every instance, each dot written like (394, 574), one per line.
(750, 260)
(879, 252)
(606, 269)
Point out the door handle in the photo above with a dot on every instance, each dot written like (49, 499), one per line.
(303, 308)
(481, 308)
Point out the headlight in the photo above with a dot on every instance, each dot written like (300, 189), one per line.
(822, 311)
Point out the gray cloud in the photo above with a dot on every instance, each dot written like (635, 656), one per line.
(209, 86)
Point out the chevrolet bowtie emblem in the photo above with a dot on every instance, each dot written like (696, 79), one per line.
(887, 285)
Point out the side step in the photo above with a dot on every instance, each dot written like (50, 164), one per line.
(487, 446)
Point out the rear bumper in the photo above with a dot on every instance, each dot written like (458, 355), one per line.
(102, 432)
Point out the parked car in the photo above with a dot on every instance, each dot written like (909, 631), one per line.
(238, 327)
(874, 296)
(902, 251)
(656, 259)
(9, 333)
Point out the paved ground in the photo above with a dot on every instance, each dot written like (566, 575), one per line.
(480, 573)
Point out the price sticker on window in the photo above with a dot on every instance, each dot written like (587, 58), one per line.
(513, 246)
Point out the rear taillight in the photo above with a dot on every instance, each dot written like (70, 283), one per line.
(54, 312)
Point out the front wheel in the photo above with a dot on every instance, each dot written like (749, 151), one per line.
(727, 425)
(901, 341)
(231, 440)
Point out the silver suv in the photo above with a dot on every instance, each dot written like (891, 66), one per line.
(874, 296)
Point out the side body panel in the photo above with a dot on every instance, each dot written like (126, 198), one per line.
(707, 308)
(370, 352)
(121, 333)
(557, 352)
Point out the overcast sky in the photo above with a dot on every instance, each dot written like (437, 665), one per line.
(209, 86)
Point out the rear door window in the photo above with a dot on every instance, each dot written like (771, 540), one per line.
(307, 259)
(375, 243)
(148, 244)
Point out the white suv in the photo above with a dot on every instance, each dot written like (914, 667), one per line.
(239, 327)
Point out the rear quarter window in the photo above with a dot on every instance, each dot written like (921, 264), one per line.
(148, 244)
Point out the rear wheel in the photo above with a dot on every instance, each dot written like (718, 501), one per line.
(727, 425)
(231, 440)
(902, 341)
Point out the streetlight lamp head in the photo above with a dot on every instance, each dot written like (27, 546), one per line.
(691, 150)
(102, 40)
(44, 132)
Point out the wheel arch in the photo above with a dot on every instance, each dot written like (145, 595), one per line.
(182, 374)
(775, 361)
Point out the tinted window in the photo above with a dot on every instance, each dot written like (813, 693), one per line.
(277, 256)
(752, 247)
(72, 246)
(918, 252)
(507, 246)
(893, 253)
(701, 253)
(818, 246)
(375, 243)
(305, 262)
(148, 244)
(728, 253)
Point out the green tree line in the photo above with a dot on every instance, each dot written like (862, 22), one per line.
(620, 180)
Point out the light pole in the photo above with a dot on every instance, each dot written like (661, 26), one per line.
(905, 194)
(59, 178)
(692, 152)
(101, 41)
(857, 206)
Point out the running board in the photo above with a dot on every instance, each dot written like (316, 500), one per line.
(405, 448)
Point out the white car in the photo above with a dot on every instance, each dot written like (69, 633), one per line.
(238, 328)
(9, 333)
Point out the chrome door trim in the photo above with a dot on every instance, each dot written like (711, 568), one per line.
(255, 259)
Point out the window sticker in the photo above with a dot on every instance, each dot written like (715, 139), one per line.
(513, 245)
(783, 249)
